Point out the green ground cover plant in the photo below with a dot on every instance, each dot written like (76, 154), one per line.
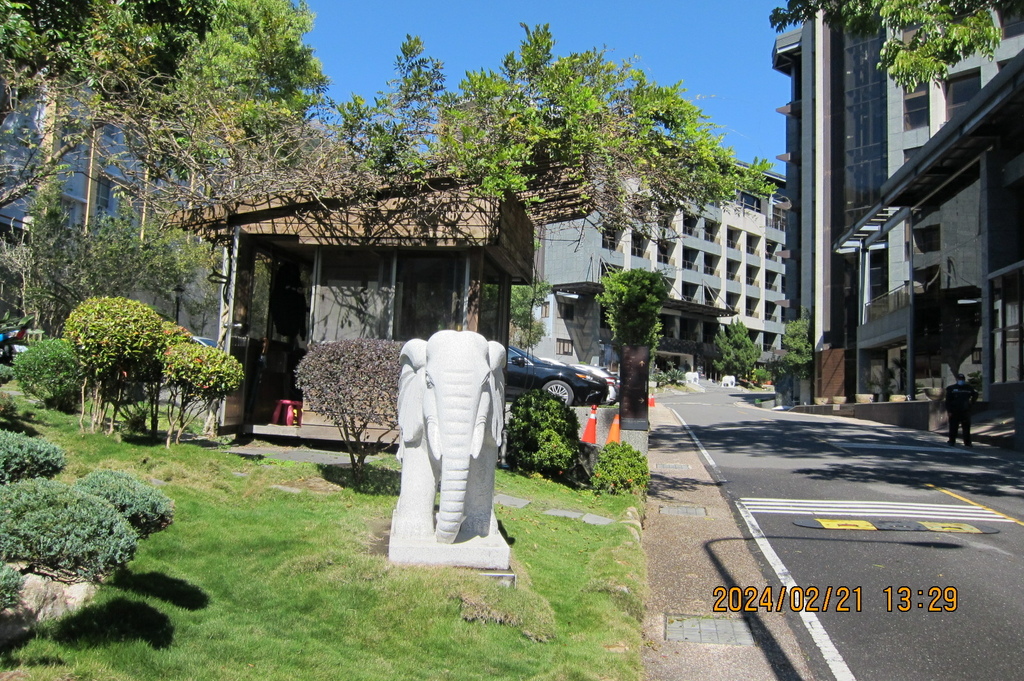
(252, 582)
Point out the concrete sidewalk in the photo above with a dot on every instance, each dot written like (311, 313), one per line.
(694, 544)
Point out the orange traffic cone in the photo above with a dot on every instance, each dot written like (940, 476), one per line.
(650, 401)
(613, 432)
(590, 432)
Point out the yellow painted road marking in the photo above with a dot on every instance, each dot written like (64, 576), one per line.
(952, 527)
(974, 503)
(829, 524)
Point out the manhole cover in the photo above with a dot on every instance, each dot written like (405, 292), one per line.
(695, 629)
(683, 510)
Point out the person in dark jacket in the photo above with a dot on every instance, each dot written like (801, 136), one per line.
(959, 399)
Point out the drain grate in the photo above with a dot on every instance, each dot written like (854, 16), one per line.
(696, 629)
(684, 510)
(675, 466)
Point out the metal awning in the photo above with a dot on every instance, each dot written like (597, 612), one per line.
(592, 288)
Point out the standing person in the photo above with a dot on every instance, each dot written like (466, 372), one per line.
(959, 399)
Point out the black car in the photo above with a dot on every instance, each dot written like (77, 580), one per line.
(569, 384)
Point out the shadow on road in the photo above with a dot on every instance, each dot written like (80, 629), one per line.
(852, 452)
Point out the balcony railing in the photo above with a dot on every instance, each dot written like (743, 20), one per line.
(887, 303)
(733, 243)
(751, 281)
(709, 269)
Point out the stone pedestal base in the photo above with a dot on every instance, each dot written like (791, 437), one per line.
(487, 553)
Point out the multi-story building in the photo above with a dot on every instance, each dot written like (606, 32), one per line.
(723, 262)
(894, 279)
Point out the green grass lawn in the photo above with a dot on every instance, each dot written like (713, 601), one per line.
(251, 582)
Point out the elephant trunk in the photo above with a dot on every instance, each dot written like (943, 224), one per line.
(461, 444)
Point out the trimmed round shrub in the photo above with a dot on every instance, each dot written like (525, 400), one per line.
(62, 532)
(115, 337)
(6, 373)
(49, 371)
(10, 586)
(621, 468)
(543, 434)
(197, 376)
(23, 457)
(146, 508)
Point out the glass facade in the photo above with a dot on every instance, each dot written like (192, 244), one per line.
(1007, 329)
(864, 126)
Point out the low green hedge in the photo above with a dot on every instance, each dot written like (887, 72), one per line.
(23, 457)
(146, 508)
(50, 372)
(60, 531)
(621, 468)
(543, 434)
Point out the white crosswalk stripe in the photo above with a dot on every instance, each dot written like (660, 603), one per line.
(871, 509)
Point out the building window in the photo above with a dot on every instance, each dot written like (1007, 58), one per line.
(928, 239)
(608, 268)
(960, 90)
(690, 225)
(664, 251)
(104, 190)
(609, 240)
(749, 202)
(545, 310)
(778, 217)
(915, 107)
(567, 311)
(1012, 23)
(563, 346)
(638, 245)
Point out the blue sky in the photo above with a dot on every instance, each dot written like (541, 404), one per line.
(720, 50)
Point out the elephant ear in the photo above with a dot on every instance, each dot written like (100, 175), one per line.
(496, 384)
(411, 389)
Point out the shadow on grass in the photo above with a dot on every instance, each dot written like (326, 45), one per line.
(158, 585)
(18, 425)
(378, 481)
(116, 621)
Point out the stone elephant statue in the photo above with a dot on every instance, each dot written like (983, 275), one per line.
(728, 381)
(451, 408)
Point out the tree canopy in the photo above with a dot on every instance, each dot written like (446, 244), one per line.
(632, 301)
(923, 37)
(572, 135)
(738, 351)
(796, 341)
(174, 76)
(525, 329)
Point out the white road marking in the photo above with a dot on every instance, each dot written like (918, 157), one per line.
(872, 509)
(832, 656)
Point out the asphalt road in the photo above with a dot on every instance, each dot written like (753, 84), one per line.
(779, 468)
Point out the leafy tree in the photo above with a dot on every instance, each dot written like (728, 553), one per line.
(526, 330)
(68, 56)
(796, 341)
(58, 266)
(572, 135)
(925, 37)
(632, 301)
(738, 352)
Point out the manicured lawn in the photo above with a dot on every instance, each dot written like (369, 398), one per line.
(252, 582)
